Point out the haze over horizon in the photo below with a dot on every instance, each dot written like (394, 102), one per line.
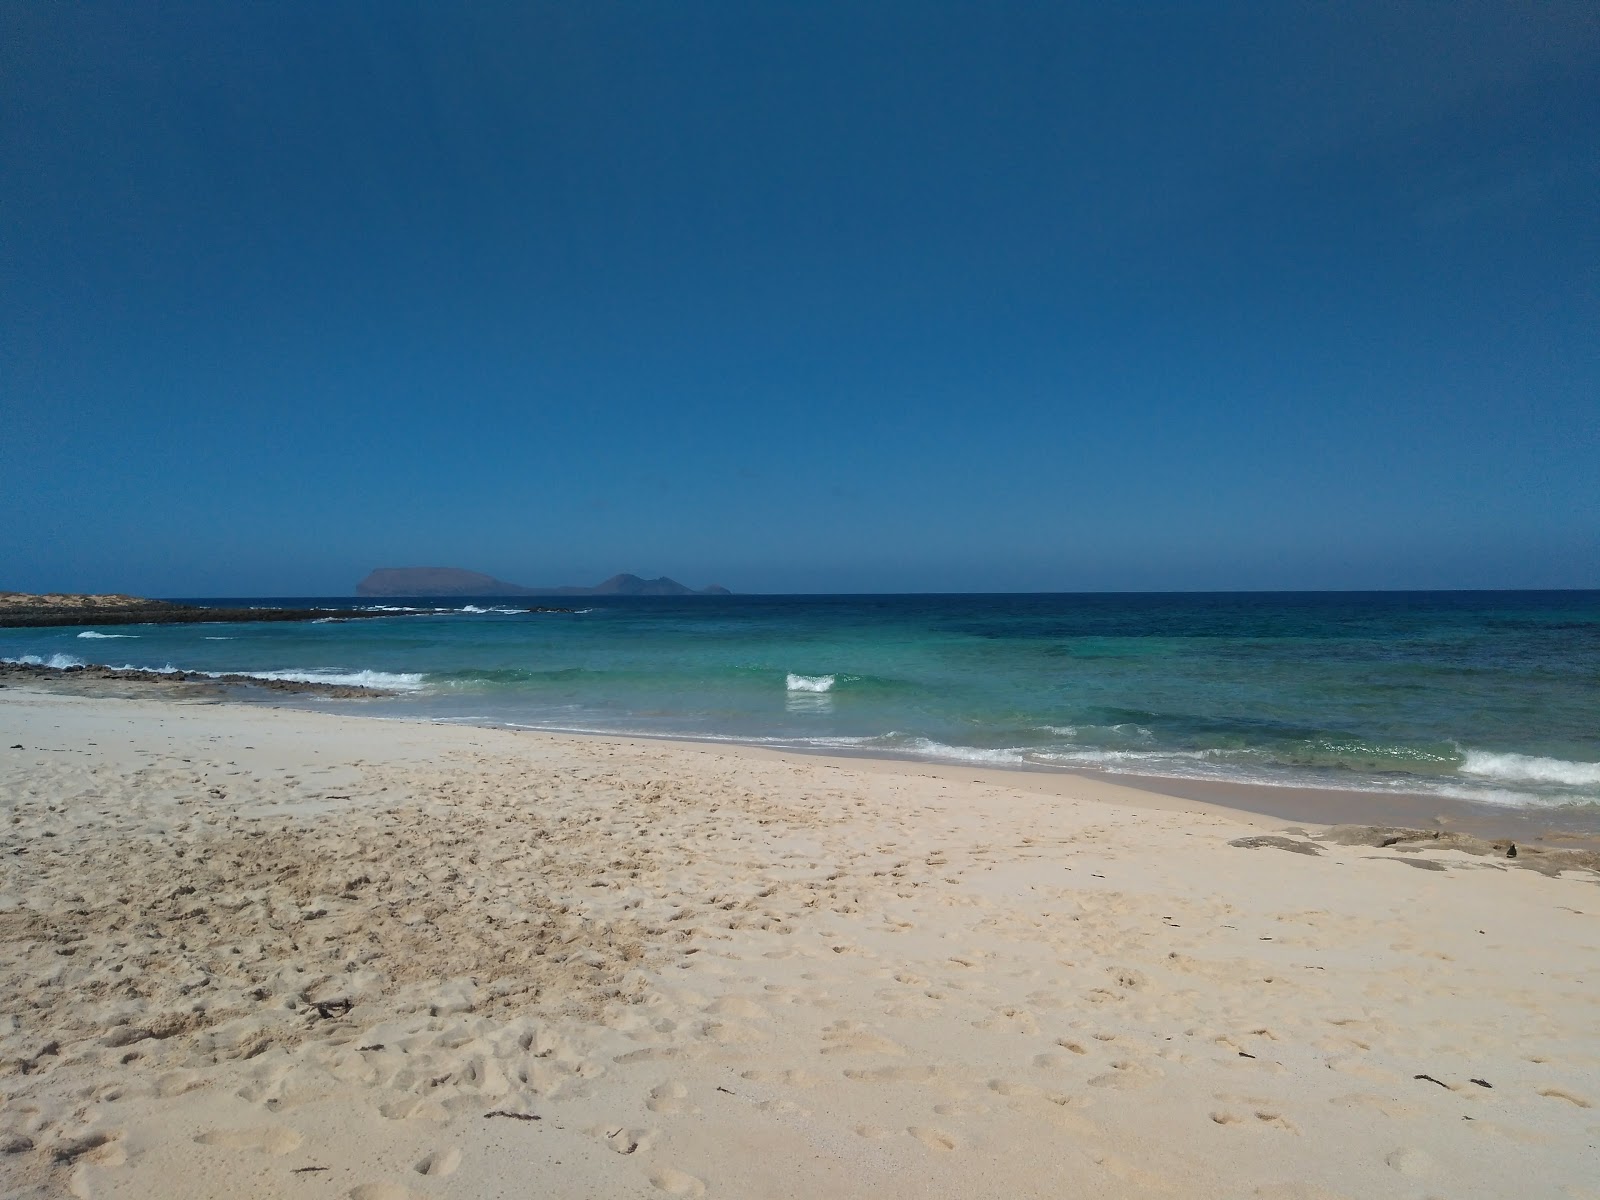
(827, 298)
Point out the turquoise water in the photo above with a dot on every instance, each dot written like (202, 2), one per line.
(1493, 697)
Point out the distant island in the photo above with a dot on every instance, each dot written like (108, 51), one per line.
(453, 581)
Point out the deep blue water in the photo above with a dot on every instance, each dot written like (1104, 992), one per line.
(1492, 696)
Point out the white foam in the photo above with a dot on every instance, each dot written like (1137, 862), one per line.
(59, 661)
(809, 683)
(398, 682)
(1526, 768)
(219, 639)
(89, 633)
(1103, 757)
(927, 747)
(391, 681)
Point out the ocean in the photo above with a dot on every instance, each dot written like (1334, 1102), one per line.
(1492, 697)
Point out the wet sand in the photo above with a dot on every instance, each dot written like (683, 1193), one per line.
(1570, 827)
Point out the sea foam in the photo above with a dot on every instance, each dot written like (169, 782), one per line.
(810, 683)
(89, 633)
(392, 681)
(1526, 768)
(406, 681)
(59, 661)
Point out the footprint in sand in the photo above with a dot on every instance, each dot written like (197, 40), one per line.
(677, 1183)
(1014, 1089)
(440, 1163)
(381, 1191)
(1563, 1094)
(893, 1075)
(791, 1077)
(268, 1141)
(851, 1037)
(934, 1139)
(1126, 1075)
(732, 1033)
(669, 1097)
(1276, 1121)
(100, 1146)
(413, 1107)
(626, 1141)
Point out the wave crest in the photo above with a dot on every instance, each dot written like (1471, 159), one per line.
(58, 661)
(407, 681)
(810, 683)
(1526, 768)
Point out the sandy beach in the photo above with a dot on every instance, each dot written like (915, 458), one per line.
(250, 951)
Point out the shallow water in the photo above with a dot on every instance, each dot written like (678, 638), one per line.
(1492, 697)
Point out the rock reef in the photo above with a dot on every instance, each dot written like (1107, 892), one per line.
(131, 681)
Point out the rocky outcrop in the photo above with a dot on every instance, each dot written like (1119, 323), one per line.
(105, 681)
(21, 609)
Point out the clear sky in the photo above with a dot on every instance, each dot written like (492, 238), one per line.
(800, 296)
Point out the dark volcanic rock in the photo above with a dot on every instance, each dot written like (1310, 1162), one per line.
(1276, 843)
(1548, 862)
(21, 609)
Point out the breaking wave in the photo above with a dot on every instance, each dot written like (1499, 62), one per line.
(89, 633)
(810, 683)
(406, 681)
(58, 661)
(1526, 768)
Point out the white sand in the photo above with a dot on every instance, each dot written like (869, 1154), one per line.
(740, 974)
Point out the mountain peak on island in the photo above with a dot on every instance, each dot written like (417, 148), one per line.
(454, 581)
(633, 585)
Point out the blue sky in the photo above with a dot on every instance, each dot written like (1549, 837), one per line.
(800, 297)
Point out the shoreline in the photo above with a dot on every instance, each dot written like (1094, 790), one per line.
(1248, 802)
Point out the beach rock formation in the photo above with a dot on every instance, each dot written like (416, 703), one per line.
(57, 608)
(95, 680)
